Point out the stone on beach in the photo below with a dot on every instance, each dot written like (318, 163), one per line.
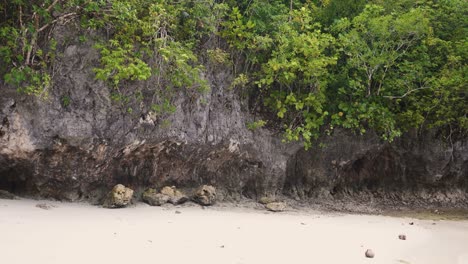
(276, 206)
(152, 197)
(205, 195)
(370, 253)
(119, 196)
(175, 195)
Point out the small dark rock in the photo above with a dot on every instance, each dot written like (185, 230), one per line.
(370, 253)
(44, 206)
(178, 212)
(402, 237)
(411, 223)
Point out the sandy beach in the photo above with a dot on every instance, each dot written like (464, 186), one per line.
(81, 233)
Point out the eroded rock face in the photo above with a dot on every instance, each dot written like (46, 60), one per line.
(205, 195)
(81, 149)
(119, 196)
(413, 170)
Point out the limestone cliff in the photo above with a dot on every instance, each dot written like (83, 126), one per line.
(80, 149)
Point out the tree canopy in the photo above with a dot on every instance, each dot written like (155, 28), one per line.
(386, 66)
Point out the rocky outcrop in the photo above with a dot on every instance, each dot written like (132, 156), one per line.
(80, 149)
(415, 169)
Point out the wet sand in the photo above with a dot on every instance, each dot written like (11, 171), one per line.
(69, 233)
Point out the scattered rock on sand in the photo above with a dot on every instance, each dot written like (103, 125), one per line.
(370, 253)
(205, 195)
(119, 196)
(175, 196)
(276, 206)
(152, 197)
(177, 212)
(402, 237)
(266, 200)
(7, 195)
(44, 206)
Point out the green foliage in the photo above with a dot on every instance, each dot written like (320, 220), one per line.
(26, 49)
(28, 80)
(240, 81)
(392, 73)
(121, 63)
(377, 48)
(389, 66)
(293, 57)
(66, 100)
(385, 66)
(254, 125)
(151, 38)
(217, 56)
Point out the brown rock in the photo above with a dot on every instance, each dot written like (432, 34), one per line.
(175, 196)
(402, 237)
(119, 196)
(169, 191)
(266, 200)
(152, 197)
(276, 206)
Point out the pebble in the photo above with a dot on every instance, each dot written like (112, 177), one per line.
(44, 206)
(370, 253)
(402, 237)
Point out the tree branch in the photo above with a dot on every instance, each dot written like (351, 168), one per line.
(404, 95)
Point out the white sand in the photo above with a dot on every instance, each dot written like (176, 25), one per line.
(80, 233)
